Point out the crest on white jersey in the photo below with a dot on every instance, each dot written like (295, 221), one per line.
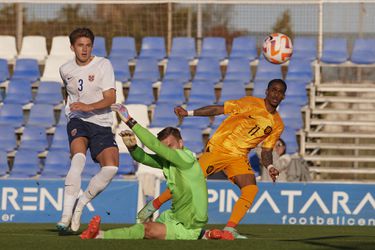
(91, 78)
(73, 132)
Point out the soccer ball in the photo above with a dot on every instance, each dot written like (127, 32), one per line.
(277, 48)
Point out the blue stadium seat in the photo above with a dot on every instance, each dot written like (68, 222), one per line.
(26, 69)
(127, 165)
(196, 122)
(4, 167)
(26, 164)
(192, 139)
(255, 163)
(197, 105)
(217, 121)
(200, 122)
(178, 69)
(291, 115)
(238, 69)
(4, 70)
(99, 47)
(208, 69)
(299, 100)
(146, 69)
(164, 116)
(34, 137)
(60, 139)
(7, 138)
(259, 89)
(49, 93)
(304, 48)
(363, 51)
(267, 71)
(123, 47)
(62, 119)
(11, 115)
(57, 164)
(335, 51)
(42, 115)
(140, 92)
(230, 92)
(121, 68)
(290, 139)
(172, 92)
(299, 70)
(183, 47)
(19, 92)
(202, 91)
(214, 48)
(244, 47)
(296, 93)
(153, 47)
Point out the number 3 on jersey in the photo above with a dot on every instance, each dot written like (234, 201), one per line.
(80, 85)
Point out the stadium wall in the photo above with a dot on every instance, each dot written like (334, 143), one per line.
(31, 201)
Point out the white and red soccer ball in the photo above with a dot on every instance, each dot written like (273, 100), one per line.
(277, 48)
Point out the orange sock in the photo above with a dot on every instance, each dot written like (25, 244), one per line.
(243, 204)
(164, 197)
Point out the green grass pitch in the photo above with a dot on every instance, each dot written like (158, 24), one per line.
(263, 237)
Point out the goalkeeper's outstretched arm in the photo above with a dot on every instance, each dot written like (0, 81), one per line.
(177, 157)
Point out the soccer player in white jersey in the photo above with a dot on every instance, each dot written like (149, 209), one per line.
(90, 86)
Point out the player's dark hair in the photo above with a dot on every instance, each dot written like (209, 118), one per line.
(274, 81)
(81, 32)
(169, 131)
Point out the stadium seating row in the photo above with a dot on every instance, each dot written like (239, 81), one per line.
(335, 50)
(177, 69)
(34, 140)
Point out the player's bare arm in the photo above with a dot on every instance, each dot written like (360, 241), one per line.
(109, 97)
(267, 161)
(211, 110)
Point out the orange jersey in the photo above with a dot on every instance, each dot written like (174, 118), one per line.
(248, 124)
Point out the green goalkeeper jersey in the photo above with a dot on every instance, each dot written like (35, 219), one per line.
(184, 177)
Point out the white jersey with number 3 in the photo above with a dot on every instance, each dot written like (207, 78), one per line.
(86, 84)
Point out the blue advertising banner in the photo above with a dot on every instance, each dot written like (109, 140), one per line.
(296, 203)
(281, 203)
(40, 201)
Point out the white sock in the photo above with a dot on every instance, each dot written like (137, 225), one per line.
(73, 183)
(97, 184)
(100, 235)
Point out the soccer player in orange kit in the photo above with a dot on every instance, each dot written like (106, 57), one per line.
(251, 121)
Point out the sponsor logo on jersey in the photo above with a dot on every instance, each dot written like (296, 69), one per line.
(73, 132)
(267, 130)
(91, 78)
(209, 169)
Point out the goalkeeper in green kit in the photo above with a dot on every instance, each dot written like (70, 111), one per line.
(188, 214)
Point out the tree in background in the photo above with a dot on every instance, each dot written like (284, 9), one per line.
(8, 19)
(284, 25)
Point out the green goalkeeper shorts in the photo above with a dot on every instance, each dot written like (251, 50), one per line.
(175, 229)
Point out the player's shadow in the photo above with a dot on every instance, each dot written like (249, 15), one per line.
(317, 241)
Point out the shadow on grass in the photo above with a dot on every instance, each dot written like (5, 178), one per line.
(318, 241)
(62, 233)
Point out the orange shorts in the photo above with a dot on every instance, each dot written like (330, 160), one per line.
(213, 161)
